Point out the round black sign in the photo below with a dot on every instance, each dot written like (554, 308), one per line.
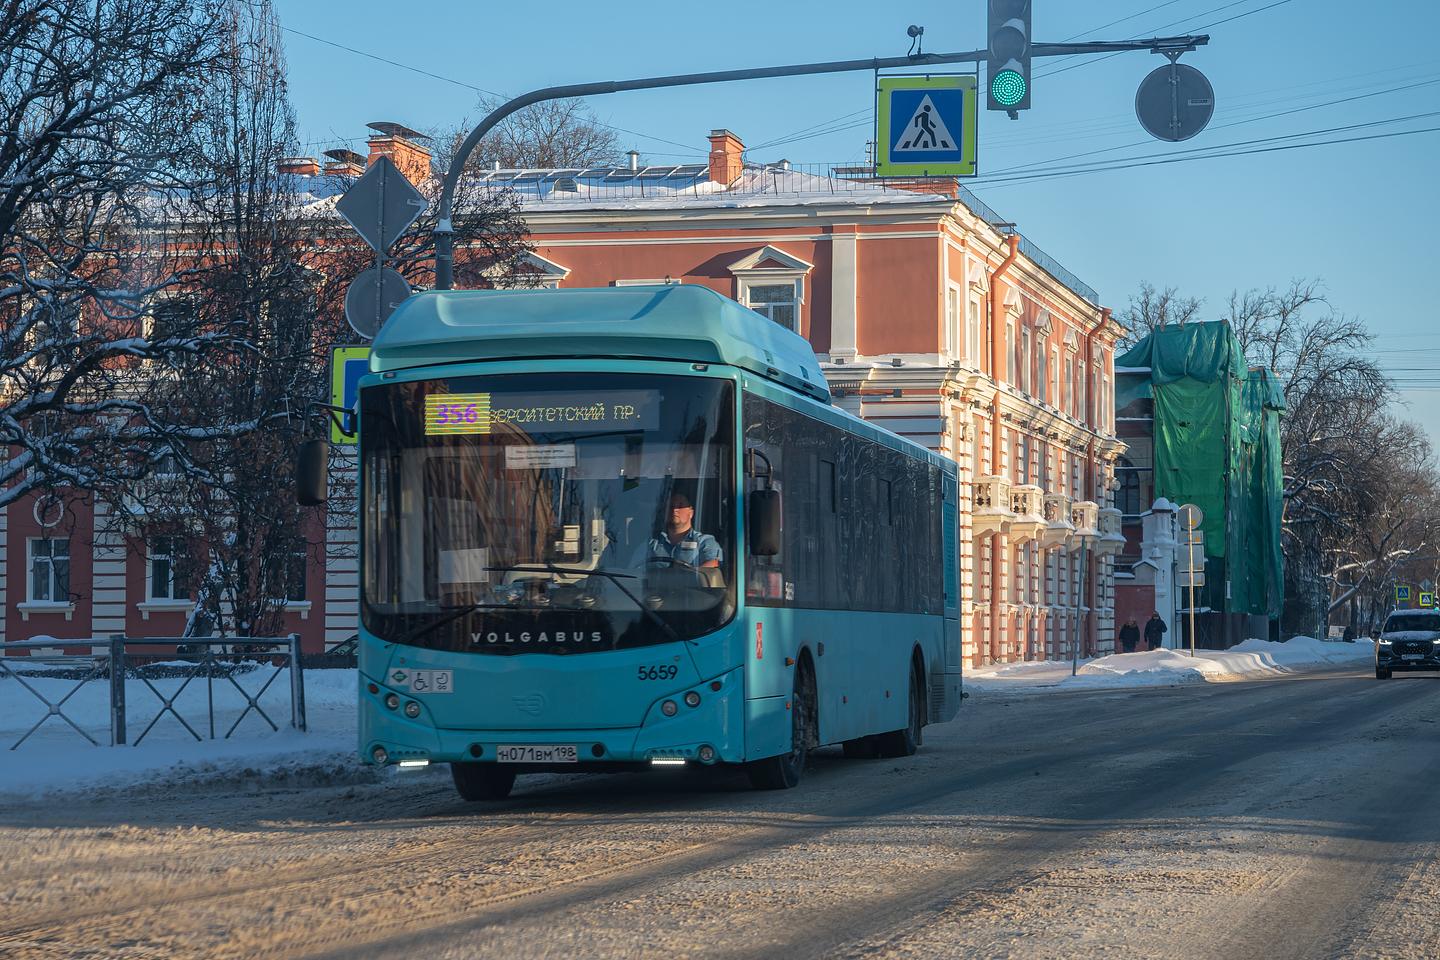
(1175, 102)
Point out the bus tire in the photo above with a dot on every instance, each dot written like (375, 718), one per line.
(906, 741)
(785, 771)
(482, 781)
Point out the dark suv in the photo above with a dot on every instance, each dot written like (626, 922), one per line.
(1409, 641)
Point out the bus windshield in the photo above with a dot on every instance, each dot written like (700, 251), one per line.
(553, 513)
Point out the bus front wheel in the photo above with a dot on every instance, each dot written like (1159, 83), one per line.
(482, 781)
(906, 741)
(784, 771)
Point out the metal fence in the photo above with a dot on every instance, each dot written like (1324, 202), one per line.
(215, 661)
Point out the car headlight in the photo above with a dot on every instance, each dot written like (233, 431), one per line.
(1383, 642)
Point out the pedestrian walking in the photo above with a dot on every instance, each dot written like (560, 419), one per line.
(1129, 636)
(1155, 631)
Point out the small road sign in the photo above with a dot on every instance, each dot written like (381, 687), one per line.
(1402, 593)
(372, 297)
(1191, 517)
(381, 205)
(1427, 599)
(347, 366)
(1174, 102)
(925, 126)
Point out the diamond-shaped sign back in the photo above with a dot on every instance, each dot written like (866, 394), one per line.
(381, 205)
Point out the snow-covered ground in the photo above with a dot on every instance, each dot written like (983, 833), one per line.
(55, 757)
(1251, 660)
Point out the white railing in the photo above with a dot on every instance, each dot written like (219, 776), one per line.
(1027, 503)
(992, 513)
(1058, 526)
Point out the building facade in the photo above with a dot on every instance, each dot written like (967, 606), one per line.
(929, 315)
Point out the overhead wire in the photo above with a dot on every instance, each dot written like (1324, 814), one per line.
(462, 83)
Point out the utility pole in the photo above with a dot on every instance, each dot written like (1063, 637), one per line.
(444, 229)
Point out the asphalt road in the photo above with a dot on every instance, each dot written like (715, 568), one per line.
(1290, 818)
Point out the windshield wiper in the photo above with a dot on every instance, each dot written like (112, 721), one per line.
(611, 575)
(452, 614)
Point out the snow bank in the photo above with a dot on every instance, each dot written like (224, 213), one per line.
(56, 757)
(1253, 659)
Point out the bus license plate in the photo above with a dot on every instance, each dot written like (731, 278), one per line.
(550, 753)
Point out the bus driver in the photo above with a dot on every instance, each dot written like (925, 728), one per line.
(681, 541)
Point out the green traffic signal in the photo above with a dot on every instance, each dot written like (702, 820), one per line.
(1007, 88)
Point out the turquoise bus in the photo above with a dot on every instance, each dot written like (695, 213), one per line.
(622, 528)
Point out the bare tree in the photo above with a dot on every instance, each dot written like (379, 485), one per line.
(1152, 309)
(94, 97)
(272, 267)
(555, 133)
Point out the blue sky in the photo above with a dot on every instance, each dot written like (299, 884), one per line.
(1356, 215)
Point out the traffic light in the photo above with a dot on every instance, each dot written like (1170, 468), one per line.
(1009, 62)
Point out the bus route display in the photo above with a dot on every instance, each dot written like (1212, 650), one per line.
(458, 413)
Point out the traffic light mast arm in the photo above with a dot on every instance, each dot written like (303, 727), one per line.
(444, 232)
(1154, 45)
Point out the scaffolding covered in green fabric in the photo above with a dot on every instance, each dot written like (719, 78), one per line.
(1217, 445)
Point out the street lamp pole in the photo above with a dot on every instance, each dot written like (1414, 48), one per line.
(444, 230)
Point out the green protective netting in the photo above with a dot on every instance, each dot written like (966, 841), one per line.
(1217, 445)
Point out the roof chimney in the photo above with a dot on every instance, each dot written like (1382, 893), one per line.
(398, 142)
(726, 151)
(344, 163)
(634, 156)
(298, 166)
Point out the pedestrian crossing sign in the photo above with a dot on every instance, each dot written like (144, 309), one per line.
(1427, 599)
(1402, 593)
(347, 366)
(925, 126)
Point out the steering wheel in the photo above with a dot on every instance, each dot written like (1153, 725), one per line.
(671, 562)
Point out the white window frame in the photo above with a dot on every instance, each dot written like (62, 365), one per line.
(1025, 361)
(31, 603)
(1012, 355)
(954, 332)
(746, 284)
(972, 331)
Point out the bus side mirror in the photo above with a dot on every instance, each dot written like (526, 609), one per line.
(764, 531)
(312, 464)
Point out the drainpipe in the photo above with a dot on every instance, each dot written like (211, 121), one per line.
(1087, 588)
(997, 366)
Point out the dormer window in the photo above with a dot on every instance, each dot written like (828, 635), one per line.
(772, 283)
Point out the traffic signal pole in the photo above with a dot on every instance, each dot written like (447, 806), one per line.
(444, 230)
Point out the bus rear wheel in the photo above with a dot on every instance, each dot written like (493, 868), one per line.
(906, 741)
(482, 781)
(785, 771)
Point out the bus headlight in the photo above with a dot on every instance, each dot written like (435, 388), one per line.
(380, 755)
(392, 701)
(692, 699)
(412, 709)
(669, 708)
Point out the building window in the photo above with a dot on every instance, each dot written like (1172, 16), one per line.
(49, 569)
(1069, 385)
(169, 569)
(1025, 361)
(295, 572)
(973, 331)
(1043, 380)
(1011, 347)
(953, 342)
(774, 300)
(170, 318)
